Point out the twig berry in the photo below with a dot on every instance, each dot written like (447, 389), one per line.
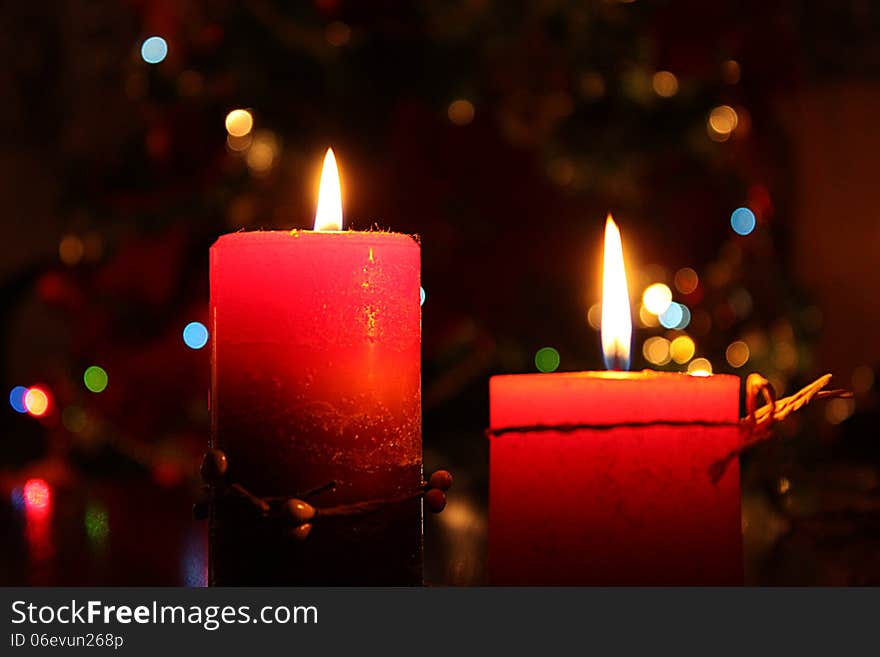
(214, 465)
(441, 479)
(435, 500)
(301, 532)
(300, 511)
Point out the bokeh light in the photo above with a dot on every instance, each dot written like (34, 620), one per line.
(37, 494)
(657, 298)
(838, 410)
(97, 524)
(263, 152)
(461, 111)
(421, 296)
(594, 316)
(36, 401)
(656, 350)
(742, 220)
(677, 316)
(195, 335)
(239, 123)
(682, 349)
(154, 50)
(737, 353)
(722, 121)
(239, 144)
(547, 359)
(785, 356)
(337, 34)
(730, 71)
(665, 84)
(686, 280)
(71, 250)
(74, 419)
(95, 378)
(862, 379)
(646, 318)
(16, 399)
(699, 367)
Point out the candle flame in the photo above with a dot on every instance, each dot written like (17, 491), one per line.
(616, 319)
(329, 213)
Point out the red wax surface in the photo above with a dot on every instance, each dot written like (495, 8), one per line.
(316, 378)
(614, 505)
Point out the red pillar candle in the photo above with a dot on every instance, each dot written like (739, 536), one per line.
(602, 478)
(316, 378)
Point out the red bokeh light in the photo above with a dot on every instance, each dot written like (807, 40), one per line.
(37, 494)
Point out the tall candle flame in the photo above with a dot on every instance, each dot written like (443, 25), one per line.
(329, 213)
(616, 319)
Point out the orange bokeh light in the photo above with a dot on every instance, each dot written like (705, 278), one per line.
(36, 401)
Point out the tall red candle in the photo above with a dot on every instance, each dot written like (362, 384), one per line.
(602, 478)
(316, 378)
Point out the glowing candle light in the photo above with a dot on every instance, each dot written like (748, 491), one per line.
(316, 378)
(603, 477)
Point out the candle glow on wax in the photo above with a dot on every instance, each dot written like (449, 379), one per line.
(616, 319)
(329, 213)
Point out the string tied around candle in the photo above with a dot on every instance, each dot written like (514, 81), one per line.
(754, 429)
(299, 513)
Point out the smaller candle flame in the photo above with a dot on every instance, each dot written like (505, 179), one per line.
(616, 319)
(329, 213)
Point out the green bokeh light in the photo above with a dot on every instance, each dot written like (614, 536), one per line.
(547, 359)
(97, 524)
(95, 378)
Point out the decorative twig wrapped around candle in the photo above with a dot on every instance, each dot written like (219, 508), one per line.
(299, 514)
(757, 426)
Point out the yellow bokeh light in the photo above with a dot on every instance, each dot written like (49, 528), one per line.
(682, 349)
(461, 111)
(646, 318)
(656, 350)
(686, 280)
(36, 402)
(737, 353)
(263, 152)
(594, 316)
(730, 71)
(785, 356)
(239, 144)
(71, 250)
(699, 367)
(838, 410)
(657, 298)
(665, 84)
(722, 121)
(239, 122)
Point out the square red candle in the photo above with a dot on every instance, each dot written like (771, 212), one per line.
(627, 501)
(316, 379)
(602, 478)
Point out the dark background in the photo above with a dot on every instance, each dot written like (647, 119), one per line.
(501, 133)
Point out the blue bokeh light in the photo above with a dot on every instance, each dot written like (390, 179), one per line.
(195, 335)
(154, 50)
(742, 221)
(685, 317)
(16, 399)
(421, 296)
(673, 316)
